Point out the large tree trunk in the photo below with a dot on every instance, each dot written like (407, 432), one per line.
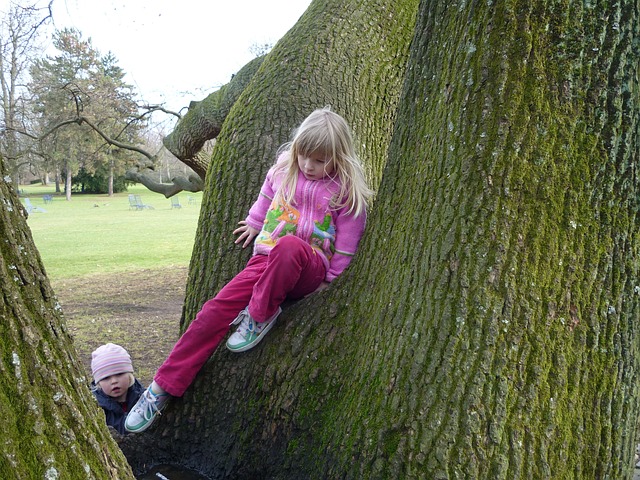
(51, 426)
(351, 55)
(505, 342)
(67, 180)
(488, 326)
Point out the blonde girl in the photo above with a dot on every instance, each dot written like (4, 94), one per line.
(305, 228)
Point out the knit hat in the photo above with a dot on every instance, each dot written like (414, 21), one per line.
(109, 359)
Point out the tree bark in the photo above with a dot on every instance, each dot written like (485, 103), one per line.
(51, 426)
(488, 326)
(505, 339)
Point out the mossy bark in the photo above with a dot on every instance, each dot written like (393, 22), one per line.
(506, 344)
(488, 327)
(52, 428)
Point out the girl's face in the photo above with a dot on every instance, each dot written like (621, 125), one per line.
(116, 386)
(315, 166)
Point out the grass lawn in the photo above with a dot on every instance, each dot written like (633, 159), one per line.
(119, 274)
(102, 234)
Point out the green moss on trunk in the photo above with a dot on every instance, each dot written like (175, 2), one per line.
(51, 425)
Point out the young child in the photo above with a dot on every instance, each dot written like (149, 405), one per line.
(114, 385)
(307, 223)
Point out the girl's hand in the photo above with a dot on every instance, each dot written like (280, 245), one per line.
(246, 232)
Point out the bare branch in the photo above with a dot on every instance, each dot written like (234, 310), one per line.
(116, 143)
(46, 133)
(158, 108)
(80, 120)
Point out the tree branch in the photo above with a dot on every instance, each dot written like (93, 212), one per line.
(204, 119)
(114, 142)
(191, 184)
(80, 120)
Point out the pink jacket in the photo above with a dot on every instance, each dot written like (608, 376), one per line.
(332, 233)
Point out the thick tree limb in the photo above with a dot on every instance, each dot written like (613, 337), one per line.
(204, 120)
(193, 183)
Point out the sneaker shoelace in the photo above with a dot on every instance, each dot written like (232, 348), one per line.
(150, 405)
(247, 325)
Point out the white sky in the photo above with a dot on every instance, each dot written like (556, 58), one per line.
(175, 51)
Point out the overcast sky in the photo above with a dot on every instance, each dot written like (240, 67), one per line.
(175, 51)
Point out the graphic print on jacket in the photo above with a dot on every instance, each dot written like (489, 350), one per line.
(282, 219)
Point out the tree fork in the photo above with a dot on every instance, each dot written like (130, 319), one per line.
(352, 56)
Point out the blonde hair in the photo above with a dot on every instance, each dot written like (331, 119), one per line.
(327, 133)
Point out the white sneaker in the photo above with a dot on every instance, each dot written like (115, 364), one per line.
(148, 407)
(250, 332)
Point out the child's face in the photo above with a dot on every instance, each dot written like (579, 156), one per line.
(315, 166)
(116, 386)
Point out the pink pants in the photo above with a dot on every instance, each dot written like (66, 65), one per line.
(292, 269)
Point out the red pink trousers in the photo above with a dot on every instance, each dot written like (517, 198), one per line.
(291, 270)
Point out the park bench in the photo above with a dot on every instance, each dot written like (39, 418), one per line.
(47, 198)
(135, 203)
(31, 207)
(175, 202)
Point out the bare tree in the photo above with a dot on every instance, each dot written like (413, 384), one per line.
(19, 41)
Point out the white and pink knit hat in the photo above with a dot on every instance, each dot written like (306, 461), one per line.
(109, 359)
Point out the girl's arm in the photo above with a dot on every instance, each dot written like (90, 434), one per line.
(250, 227)
(258, 211)
(349, 230)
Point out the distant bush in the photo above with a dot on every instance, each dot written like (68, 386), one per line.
(98, 182)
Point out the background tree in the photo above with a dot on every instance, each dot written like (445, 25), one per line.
(83, 89)
(111, 109)
(20, 27)
(488, 327)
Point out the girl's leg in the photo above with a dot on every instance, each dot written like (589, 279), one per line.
(206, 331)
(293, 269)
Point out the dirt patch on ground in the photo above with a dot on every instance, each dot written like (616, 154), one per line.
(139, 310)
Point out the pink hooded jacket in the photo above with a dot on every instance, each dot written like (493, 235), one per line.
(332, 233)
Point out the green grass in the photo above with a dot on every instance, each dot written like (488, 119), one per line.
(101, 234)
